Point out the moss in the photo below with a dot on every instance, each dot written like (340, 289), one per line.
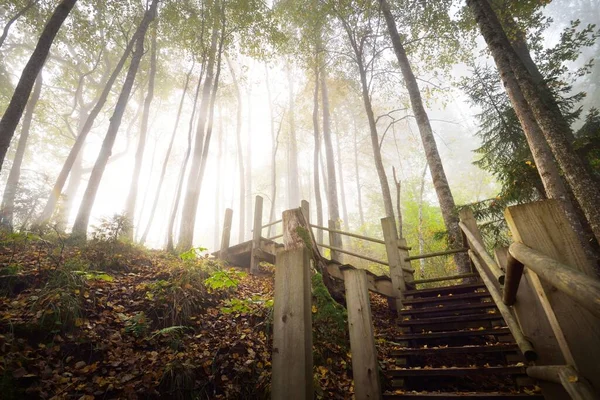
(329, 319)
(305, 236)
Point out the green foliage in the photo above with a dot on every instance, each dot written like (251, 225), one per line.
(246, 306)
(329, 317)
(112, 229)
(192, 254)
(138, 325)
(224, 279)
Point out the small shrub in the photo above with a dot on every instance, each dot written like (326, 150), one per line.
(138, 325)
(224, 279)
(112, 229)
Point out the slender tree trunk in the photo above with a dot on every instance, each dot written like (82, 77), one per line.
(12, 114)
(398, 202)
(163, 171)
(178, 192)
(219, 185)
(361, 213)
(293, 174)
(332, 196)
(83, 133)
(249, 196)
(420, 227)
(240, 155)
(341, 177)
(83, 216)
(440, 182)
(317, 154)
(14, 18)
(130, 204)
(274, 147)
(527, 97)
(190, 204)
(10, 191)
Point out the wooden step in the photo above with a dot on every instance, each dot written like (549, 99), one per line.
(443, 299)
(450, 308)
(454, 350)
(469, 395)
(426, 372)
(443, 290)
(451, 334)
(451, 319)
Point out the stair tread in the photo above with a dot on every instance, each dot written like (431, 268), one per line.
(509, 370)
(457, 349)
(443, 289)
(473, 395)
(450, 334)
(436, 299)
(450, 319)
(456, 307)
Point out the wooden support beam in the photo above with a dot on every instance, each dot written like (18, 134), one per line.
(543, 226)
(395, 262)
(305, 207)
(526, 347)
(335, 241)
(362, 340)
(514, 272)
(575, 385)
(226, 235)
(292, 326)
(436, 254)
(445, 278)
(476, 244)
(256, 234)
(406, 266)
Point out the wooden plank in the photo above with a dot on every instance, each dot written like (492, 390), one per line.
(458, 371)
(455, 289)
(376, 284)
(544, 227)
(471, 231)
(448, 309)
(443, 334)
(577, 386)
(390, 234)
(465, 395)
(451, 319)
(445, 278)
(403, 252)
(455, 350)
(444, 299)
(514, 273)
(292, 327)
(500, 255)
(226, 235)
(436, 254)
(362, 341)
(256, 234)
(356, 235)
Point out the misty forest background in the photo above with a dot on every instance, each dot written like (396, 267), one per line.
(290, 100)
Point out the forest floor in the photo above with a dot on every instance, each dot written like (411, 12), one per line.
(110, 320)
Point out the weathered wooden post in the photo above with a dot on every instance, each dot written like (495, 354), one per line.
(292, 319)
(226, 235)
(362, 340)
(569, 329)
(305, 207)
(335, 240)
(407, 270)
(256, 235)
(390, 236)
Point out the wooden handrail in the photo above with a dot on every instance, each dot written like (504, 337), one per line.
(582, 288)
(445, 278)
(514, 271)
(271, 223)
(410, 271)
(479, 249)
(576, 386)
(275, 237)
(436, 254)
(524, 345)
(370, 239)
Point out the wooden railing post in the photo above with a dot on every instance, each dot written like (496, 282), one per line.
(569, 329)
(292, 323)
(409, 277)
(362, 340)
(390, 236)
(256, 235)
(305, 207)
(335, 240)
(226, 235)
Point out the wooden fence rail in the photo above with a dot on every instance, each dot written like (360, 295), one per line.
(357, 236)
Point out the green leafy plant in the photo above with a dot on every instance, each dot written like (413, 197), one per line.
(224, 279)
(193, 253)
(138, 325)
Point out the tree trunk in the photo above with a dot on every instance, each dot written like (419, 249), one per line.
(163, 171)
(317, 151)
(240, 154)
(190, 204)
(171, 224)
(15, 17)
(420, 227)
(139, 154)
(398, 202)
(12, 183)
(332, 197)
(274, 147)
(361, 213)
(83, 133)
(528, 99)
(249, 208)
(440, 182)
(293, 174)
(83, 216)
(12, 114)
(341, 177)
(219, 188)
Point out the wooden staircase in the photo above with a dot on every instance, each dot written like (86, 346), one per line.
(454, 343)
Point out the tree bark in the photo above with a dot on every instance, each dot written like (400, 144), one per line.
(274, 148)
(293, 174)
(332, 196)
(361, 213)
(12, 114)
(83, 216)
(249, 197)
(420, 228)
(440, 182)
(83, 133)
(12, 183)
(163, 171)
(317, 151)
(219, 188)
(341, 178)
(398, 202)
(528, 99)
(14, 18)
(130, 203)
